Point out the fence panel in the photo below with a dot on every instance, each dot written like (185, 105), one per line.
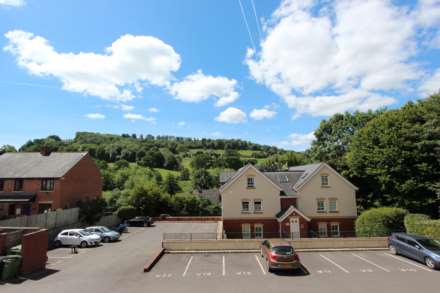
(109, 221)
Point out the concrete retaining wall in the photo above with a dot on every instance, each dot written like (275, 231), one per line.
(254, 244)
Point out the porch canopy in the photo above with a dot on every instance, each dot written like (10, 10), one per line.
(17, 197)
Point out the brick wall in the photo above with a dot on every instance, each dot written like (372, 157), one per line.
(34, 251)
(287, 202)
(2, 243)
(82, 182)
(346, 225)
(232, 227)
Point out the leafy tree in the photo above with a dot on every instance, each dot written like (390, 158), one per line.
(8, 149)
(396, 158)
(334, 136)
(121, 164)
(201, 160)
(171, 185)
(170, 160)
(153, 159)
(185, 174)
(202, 179)
(92, 210)
(145, 199)
(231, 159)
(126, 213)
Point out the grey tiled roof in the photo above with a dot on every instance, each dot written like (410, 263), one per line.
(35, 165)
(286, 180)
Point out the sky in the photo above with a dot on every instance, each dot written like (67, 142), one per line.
(267, 71)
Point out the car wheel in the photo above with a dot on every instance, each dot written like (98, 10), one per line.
(393, 249)
(106, 240)
(429, 263)
(57, 243)
(83, 244)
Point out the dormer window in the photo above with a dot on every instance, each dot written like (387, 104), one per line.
(250, 182)
(324, 180)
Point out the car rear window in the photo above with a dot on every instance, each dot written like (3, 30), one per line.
(283, 250)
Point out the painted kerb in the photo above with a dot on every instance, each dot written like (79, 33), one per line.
(254, 244)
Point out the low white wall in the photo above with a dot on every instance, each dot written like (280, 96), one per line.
(254, 244)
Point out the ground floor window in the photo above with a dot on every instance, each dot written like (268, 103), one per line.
(44, 207)
(246, 231)
(258, 229)
(322, 229)
(334, 230)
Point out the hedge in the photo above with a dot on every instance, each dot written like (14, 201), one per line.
(126, 212)
(380, 222)
(422, 225)
(412, 221)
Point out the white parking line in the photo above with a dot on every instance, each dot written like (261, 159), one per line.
(223, 266)
(187, 266)
(261, 266)
(59, 257)
(371, 263)
(409, 262)
(335, 264)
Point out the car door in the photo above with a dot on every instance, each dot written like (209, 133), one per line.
(410, 247)
(416, 250)
(402, 246)
(64, 238)
(74, 238)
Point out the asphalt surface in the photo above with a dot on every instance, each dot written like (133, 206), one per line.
(117, 267)
(112, 267)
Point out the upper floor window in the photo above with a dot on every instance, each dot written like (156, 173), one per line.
(2, 184)
(250, 182)
(320, 208)
(333, 205)
(47, 184)
(324, 180)
(18, 185)
(245, 206)
(258, 206)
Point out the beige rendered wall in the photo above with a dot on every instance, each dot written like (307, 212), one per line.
(338, 188)
(233, 195)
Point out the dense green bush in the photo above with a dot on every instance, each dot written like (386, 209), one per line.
(126, 212)
(412, 220)
(90, 211)
(380, 221)
(422, 225)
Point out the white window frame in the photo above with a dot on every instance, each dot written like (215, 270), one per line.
(261, 233)
(246, 234)
(250, 182)
(249, 206)
(324, 183)
(324, 209)
(261, 206)
(335, 224)
(330, 200)
(321, 231)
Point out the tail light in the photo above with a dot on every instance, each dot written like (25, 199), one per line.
(295, 257)
(272, 256)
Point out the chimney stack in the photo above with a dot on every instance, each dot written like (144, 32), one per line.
(45, 151)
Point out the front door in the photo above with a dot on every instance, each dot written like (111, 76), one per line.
(294, 228)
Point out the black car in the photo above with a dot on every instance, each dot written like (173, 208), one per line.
(140, 222)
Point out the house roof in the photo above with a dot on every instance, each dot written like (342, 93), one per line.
(287, 181)
(35, 165)
(283, 214)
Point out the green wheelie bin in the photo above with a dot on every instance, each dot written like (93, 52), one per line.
(11, 265)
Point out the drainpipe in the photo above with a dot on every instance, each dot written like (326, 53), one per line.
(281, 236)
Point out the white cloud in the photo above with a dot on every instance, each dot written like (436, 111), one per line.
(427, 12)
(153, 110)
(12, 3)
(337, 59)
(263, 113)
(95, 116)
(231, 116)
(181, 123)
(117, 74)
(198, 87)
(300, 141)
(123, 107)
(138, 117)
(431, 85)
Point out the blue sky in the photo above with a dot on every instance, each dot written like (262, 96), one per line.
(194, 68)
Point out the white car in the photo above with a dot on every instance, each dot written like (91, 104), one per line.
(77, 237)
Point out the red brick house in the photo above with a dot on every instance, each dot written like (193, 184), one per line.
(32, 183)
(305, 201)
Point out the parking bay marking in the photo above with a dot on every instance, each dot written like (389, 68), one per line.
(187, 266)
(223, 266)
(335, 264)
(261, 266)
(408, 262)
(371, 263)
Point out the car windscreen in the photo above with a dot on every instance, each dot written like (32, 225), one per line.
(105, 229)
(430, 244)
(283, 250)
(84, 233)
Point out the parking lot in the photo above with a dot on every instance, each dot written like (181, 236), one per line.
(118, 267)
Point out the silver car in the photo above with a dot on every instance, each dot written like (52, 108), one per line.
(105, 233)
